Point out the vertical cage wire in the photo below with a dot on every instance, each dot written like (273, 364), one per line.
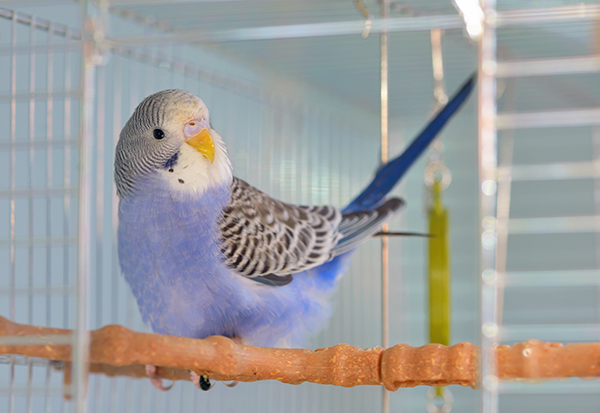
(596, 176)
(13, 104)
(91, 30)
(385, 295)
(487, 208)
(49, 138)
(504, 192)
(32, 31)
(596, 162)
(98, 225)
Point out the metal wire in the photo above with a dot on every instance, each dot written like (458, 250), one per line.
(545, 67)
(487, 208)
(596, 161)
(550, 278)
(49, 150)
(13, 104)
(551, 171)
(67, 184)
(385, 271)
(30, 185)
(378, 26)
(550, 332)
(554, 225)
(503, 200)
(549, 119)
(570, 387)
(540, 15)
(99, 222)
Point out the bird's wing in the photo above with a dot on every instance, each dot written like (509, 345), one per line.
(356, 227)
(266, 238)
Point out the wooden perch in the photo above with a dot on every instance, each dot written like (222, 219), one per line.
(117, 351)
(535, 359)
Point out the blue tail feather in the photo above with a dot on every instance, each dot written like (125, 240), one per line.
(389, 174)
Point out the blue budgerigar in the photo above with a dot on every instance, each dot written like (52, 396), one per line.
(205, 253)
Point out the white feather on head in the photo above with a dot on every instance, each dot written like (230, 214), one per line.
(139, 155)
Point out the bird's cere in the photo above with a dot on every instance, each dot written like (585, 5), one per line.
(199, 138)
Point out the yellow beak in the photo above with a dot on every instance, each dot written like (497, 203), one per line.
(203, 143)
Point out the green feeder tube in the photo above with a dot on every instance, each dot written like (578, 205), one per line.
(439, 271)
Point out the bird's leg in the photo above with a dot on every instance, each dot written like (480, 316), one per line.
(156, 382)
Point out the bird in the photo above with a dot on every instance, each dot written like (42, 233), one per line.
(206, 253)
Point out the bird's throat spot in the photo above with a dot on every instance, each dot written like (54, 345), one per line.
(172, 162)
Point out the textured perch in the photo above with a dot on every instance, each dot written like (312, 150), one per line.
(535, 359)
(117, 351)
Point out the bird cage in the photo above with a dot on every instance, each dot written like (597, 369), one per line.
(295, 89)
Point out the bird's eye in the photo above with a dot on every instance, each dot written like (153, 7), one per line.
(159, 134)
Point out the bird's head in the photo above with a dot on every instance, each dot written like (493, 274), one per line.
(169, 138)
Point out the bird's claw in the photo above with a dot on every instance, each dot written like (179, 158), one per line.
(156, 382)
(201, 382)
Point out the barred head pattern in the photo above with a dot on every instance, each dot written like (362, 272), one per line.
(138, 153)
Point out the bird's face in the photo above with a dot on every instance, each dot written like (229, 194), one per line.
(169, 139)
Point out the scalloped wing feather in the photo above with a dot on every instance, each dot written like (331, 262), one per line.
(264, 237)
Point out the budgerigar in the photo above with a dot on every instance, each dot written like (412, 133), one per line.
(206, 254)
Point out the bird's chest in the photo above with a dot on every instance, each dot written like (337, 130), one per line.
(170, 256)
(159, 229)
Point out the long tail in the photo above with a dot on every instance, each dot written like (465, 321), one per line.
(388, 176)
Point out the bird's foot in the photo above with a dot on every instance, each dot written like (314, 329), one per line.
(156, 382)
(201, 382)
